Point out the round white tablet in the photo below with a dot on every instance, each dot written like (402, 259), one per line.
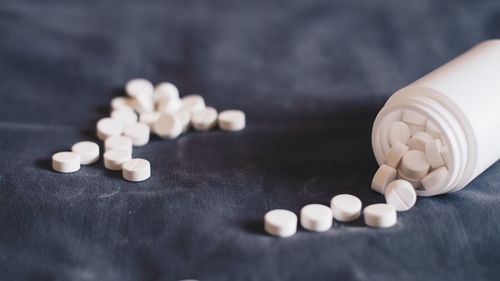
(139, 86)
(345, 207)
(415, 118)
(149, 118)
(447, 155)
(138, 133)
(414, 164)
(114, 159)
(127, 117)
(384, 175)
(414, 129)
(432, 129)
(399, 132)
(401, 195)
(395, 154)
(136, 169)
(193, 102)
(169, 105)
(66, 162)
(121, 103)
(414, 182)
(107, 127)
(205, 119)
(118, 143)
(143, 102)
(433, 153)
(279, 222)
(89, 151)
(168, 126)
(316, 217)
(184, 115)
(124, 110)
(380, 215)
(418, 141)
(435, 179)
(165, 90)
(232, 120)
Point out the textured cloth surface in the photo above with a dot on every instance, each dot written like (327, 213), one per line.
(311, 76)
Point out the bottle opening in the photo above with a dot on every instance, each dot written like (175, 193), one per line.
(436, 156)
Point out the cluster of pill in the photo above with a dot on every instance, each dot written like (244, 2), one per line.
(416, 160)
(319, 218)
(145, 109)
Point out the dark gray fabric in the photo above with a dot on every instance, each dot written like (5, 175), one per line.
(310, 75)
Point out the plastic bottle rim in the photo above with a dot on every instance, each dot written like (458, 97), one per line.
(459, 170)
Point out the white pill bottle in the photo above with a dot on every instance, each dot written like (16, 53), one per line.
(462, 98)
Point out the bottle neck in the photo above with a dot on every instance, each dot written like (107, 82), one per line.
(453, 136)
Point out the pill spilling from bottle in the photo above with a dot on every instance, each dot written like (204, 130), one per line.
(417, 160)
(413, 162)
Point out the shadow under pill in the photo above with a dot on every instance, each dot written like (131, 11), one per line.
(89, 134)
(45, 164)
(103, 110)
(357, 223)
(113, 174)
(254, 226)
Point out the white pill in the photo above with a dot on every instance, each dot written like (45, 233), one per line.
(139, 86)
(118, 143)
(89, 151)
(125, 116)
(399, 132)
(433, 153)
(149, 118)
(169, 105)
(380, 215)
(143, 102)
(316, 217)
(345, 207)
(395, 154)
(384, 175)
(415, 118)
(165, 90)
(446, 153)
(414, 129)
(66, 162)
(138, 133)
(124, 110)
(279, 222)
(232, 120)
(414, 182)
(108, 127)
(193, 103)
(136, 169)
(435, 179)
(184, 115)
(414, 164)
(401, 195)
(114, 159)
(418, 141)
(432, 129)
(168, 126)
(121, 103)
(205, 119)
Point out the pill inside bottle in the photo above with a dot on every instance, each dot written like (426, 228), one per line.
(456, 109)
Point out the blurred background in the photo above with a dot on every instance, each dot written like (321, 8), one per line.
(270, 54)
(310, 75)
